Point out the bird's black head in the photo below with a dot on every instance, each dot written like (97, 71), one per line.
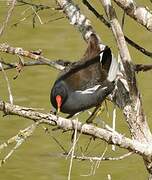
(58, 95)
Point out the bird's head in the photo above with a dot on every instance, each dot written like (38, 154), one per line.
(58, 95)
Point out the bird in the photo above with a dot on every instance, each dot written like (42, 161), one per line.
(85, 84)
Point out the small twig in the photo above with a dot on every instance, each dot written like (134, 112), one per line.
(123, 20)
(93, 158)
(18, 144)
(7, 17)
(99, 159)
(72, 153)
(91, 170)
(97, 164)
(21, 20)
(60, 145)
(26, 10)
(33, 14)
(19, 139)
(37, 6)
(8, 84)
(22, 133)
(19, 66)
(88, 144)
(55, 19)
(19, 51)
(8, 66)
(114, 125)
(37, 15)
(142, 67)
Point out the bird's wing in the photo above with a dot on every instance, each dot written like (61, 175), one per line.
(86, 77)
(89, 73)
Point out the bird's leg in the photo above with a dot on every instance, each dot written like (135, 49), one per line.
(93, 115)
(69, 116)
(95, 112)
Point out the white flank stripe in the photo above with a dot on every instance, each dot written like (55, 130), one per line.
(91, 90)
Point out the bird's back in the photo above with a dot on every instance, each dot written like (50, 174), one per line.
(85, 74)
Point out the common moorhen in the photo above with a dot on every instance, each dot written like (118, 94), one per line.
(85, 84)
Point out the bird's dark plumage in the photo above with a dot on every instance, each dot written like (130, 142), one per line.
(86, 83)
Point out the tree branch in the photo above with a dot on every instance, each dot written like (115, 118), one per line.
(8, 66)
(92, 158)
(18, 139)
(19, 51)
(133, 110)
(8, 16)
(62, 63)
(128, 40)
(79, 20)
(111, 137)
(139, 13)
(142, 67)
(36, 6)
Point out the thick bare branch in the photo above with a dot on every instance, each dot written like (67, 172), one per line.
(133, 110)
(123, 49)
(139, 13)
(112, 137)
(78, 20)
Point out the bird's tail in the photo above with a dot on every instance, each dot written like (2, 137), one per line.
(113, 70)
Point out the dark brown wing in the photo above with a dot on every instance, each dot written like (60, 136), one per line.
(93, 48)
(88, 73)
(86, 77)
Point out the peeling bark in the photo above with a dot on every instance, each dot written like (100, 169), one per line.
(107, 134)
(139, 13)
(133, 110)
